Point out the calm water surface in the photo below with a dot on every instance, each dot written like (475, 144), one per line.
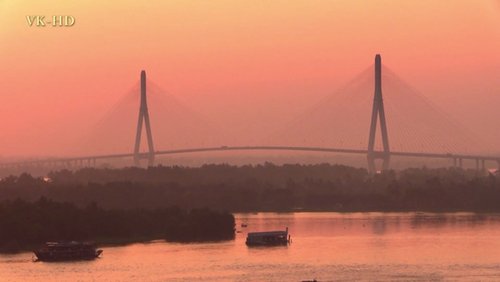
(325, 246)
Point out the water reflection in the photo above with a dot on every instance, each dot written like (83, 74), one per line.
(423, 220)
(379, 226)
(378, 223)
(325, 246)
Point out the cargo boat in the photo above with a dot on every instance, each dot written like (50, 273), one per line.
(64, 251)
(268, 238)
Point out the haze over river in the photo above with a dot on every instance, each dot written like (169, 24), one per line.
(325, 246)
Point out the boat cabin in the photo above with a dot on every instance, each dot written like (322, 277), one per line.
(268, 238)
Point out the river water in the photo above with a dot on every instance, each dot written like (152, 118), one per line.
(325, 246)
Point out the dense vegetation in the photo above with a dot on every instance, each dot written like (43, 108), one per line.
(264, 188)
(24, 225)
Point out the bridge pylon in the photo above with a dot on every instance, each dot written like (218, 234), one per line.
(144, 118)
(378, 113)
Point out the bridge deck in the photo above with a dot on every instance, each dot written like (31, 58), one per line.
(255, 148)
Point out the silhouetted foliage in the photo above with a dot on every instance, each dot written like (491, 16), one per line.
(24, 224)
(264, 188)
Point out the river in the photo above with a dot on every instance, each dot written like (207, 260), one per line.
(325, 247)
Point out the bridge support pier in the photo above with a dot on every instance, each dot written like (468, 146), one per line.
(378, 113)
(477, 164)
(144, 117)
(372, 168)
(460, 163)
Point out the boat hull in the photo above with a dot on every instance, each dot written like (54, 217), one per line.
(266, 244)
(65, 251)
(66, 256)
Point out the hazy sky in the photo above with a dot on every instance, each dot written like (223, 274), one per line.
(248, 67)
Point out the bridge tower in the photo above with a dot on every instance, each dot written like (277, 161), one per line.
(144, 116)
(378, 113)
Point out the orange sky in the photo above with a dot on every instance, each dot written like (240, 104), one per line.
(248, 66)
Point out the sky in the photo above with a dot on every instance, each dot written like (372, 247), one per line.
(248, 68)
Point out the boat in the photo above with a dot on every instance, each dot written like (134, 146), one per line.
(268, 238)
(64, 251)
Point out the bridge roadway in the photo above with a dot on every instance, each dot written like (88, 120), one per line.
(93, 158)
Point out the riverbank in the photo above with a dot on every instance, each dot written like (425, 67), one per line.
(26, 225)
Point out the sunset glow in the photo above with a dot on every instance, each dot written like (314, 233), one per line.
(249, 67)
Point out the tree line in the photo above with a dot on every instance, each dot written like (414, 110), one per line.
(25, 224)
(266, 187)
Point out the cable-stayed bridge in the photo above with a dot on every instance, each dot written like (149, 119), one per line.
(379, 125)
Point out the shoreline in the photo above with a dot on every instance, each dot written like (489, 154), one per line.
(103, 243)
(120, 242)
